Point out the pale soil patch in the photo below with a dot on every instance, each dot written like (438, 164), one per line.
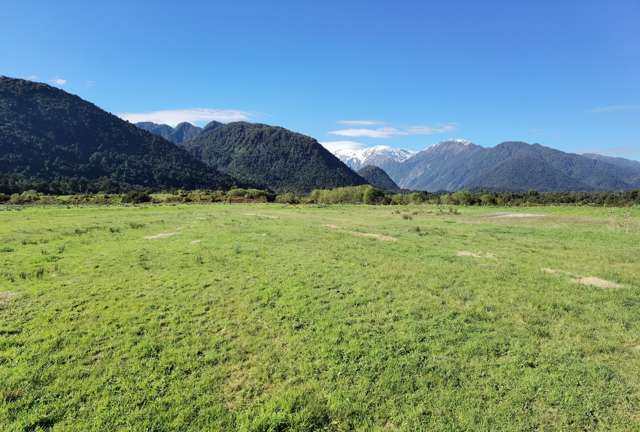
(261, 215)
(553, 271)
(585, 280)
(381, 237)
(474, 255)
(504, 215)
(161, 236)
(196, 241)
(597, 282)
(6, 297)
(373, 235)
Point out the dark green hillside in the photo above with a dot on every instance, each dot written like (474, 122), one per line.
(50, 137)
(377, 177)
(282, 160)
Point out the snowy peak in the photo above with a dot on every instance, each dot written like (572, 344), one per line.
(376, 156)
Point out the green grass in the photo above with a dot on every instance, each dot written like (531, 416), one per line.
(274, 321)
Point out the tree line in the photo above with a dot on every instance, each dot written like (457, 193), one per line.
(344, 195)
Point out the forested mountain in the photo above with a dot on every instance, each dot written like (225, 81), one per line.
(511, 166)
(376, 176)
(182, 132)
(283, 160)
(52, 139)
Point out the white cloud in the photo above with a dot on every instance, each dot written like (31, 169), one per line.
(430, 130)
(191, 115)
(333, 146)
(58, 81)
(614, 108)
(387, 132)
(360, 122)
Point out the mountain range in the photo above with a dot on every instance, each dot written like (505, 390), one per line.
(510, 166)
(182, 132)
(54, 141)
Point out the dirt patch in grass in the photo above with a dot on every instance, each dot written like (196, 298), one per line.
(196, 241)
(585, 280)
(261, 215)
(161, 236)
(6, 297)
(597, 282)
(381, 237)
(474, 254)
(553, 271)
(373, 236)
(505, 215)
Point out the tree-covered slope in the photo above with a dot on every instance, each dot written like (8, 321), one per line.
(48, 135)
(282, 160)
(376, 176)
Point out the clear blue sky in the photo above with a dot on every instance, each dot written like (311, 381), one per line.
(562, 73)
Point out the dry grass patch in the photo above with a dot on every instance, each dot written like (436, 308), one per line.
(261, 215)
(381, 237)
(6, 297)
(475, 255)
(505, 215)
(161, 236)
(597, 282)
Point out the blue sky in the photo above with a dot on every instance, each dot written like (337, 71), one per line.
(404, 73)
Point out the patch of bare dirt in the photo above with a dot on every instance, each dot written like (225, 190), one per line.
(585, 280)
(373, 235)
(161, 236)
(597, 282)
(6, 297)
(380, 237)
(505, 215)
(474, 254)
(553, 271)
(261, 215)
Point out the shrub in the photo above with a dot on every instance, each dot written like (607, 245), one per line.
(136, 197)
(372, 195)
(287, 198)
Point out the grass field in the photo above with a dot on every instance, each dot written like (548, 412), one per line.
(273, 317)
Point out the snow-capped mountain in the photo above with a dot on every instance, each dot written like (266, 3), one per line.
(379, 156)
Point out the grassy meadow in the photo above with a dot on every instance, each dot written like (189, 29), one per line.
(273, 317)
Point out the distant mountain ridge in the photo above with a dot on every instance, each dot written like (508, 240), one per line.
(280, 159)
(182, 132)
(510, 166)
(50, 136)
(376, 176)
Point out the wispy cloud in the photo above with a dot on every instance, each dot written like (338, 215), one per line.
(58, 81)
(430, 130)
(191, 115)
(615, 108)
(384, 132)
(360, 122)
(387, 132)
(333, 146)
